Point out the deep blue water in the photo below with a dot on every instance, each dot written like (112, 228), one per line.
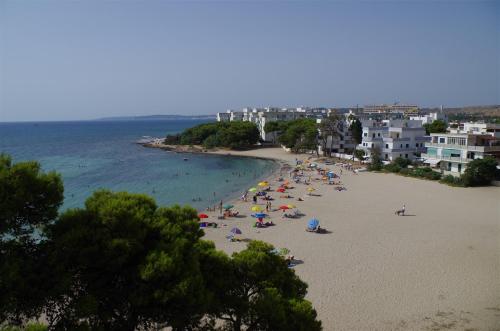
(103, 154)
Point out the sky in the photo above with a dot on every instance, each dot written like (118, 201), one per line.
(72, 60)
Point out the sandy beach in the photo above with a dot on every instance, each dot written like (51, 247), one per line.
(437, 268)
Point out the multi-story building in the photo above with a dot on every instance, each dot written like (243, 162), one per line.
(481, 128)
(224, 117)
(407, 110)
(261, 116)
(394, 138)
(451, 151)
(343, 142)
(429, 118)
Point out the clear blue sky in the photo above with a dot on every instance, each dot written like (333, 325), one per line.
(64, 60)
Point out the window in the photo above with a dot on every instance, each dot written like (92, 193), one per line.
(401, 145)
(373, 135)
(406, 156)
(378, 134)
(365, 134)
(449, 166)
(386, 145)
(407, 145)
(459, 168)
(441, 140)
(386, 157)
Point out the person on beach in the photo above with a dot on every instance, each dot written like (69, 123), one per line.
(220, 207)
(403, 210)
(255, 199)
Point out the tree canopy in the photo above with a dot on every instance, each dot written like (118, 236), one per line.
(480, 172)
(330, 127)
(123, 263)
(235, 135)
(437, 126)
(300, 135)
(356, 129)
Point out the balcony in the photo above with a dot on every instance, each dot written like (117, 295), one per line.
(446, 158)
(482, 149)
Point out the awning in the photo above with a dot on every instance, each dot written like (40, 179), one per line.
(432, 162)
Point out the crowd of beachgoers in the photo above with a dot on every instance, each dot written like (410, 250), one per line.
(275, 200)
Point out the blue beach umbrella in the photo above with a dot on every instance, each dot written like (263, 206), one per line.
(313, 223)
(260, 215)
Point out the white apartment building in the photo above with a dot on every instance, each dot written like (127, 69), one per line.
(451, 152)
(261, 116)
(481, 128)
(395, 108)
(429, 118)
(394, 138)
(224, 117)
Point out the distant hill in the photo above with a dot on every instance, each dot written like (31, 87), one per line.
(158, 118)
(488, 111)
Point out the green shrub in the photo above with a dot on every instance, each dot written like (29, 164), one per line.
(210, 142)
(432, 175)
(392, 167)
(480, 172)
(405, 172)
(36, 327)
(452, 180)
(401, 162)
(29, 327)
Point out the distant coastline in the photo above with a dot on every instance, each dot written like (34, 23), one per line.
(157, 117)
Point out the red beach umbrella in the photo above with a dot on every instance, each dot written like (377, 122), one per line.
(202, 216)
(284, 207)
(280, 190)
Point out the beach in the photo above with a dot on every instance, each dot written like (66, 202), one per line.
(436, 268)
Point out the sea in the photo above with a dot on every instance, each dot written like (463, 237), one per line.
(93, 155)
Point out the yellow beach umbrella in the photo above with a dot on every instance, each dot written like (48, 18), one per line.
(261, 184)
(256, 208)
(291, 206)
(310, 189)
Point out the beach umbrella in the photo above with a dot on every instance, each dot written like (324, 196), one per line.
(291, 206)
(262, 184)
(202, 216)
(253, 189)
(235, 231)
(284, 207)
(310, 189)
(228, 206)
(280, 190)
(260, 215)
(256, 208)
(313, 223)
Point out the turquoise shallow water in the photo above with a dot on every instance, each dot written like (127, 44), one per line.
(103, 154)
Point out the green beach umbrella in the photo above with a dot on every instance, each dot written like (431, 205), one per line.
(253, 189)
(228, 206)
